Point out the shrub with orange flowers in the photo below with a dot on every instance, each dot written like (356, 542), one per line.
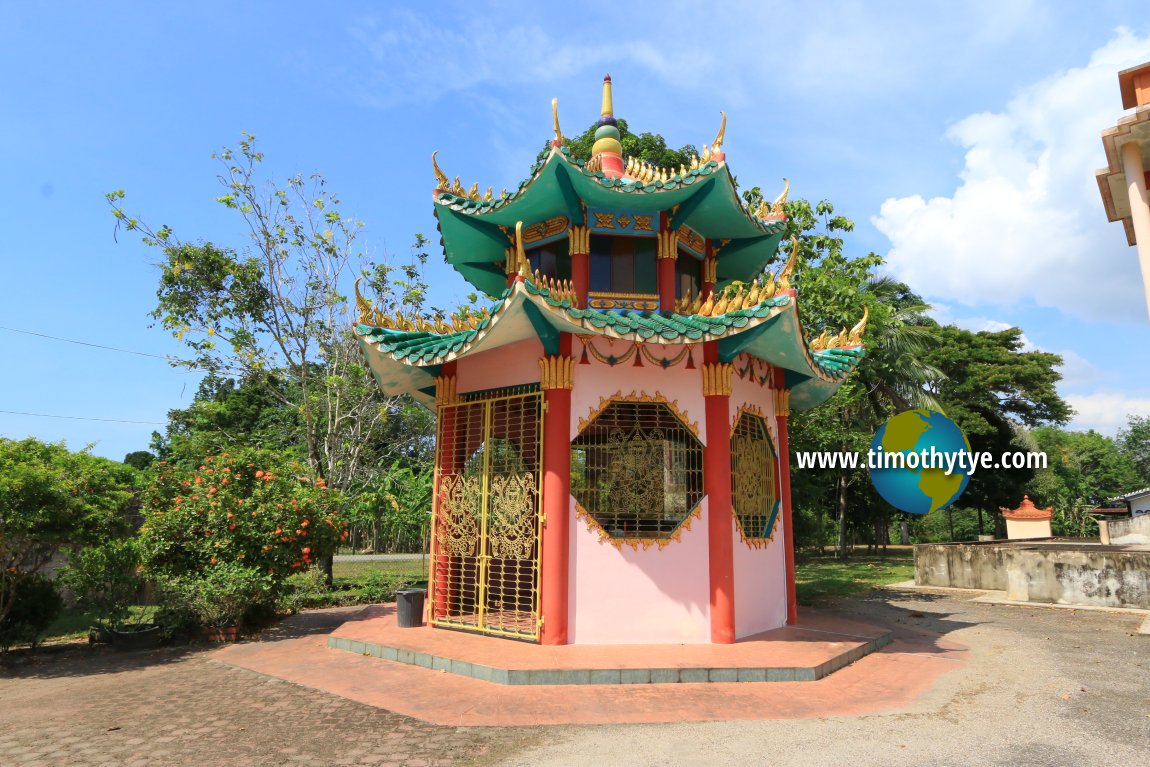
(239, 512)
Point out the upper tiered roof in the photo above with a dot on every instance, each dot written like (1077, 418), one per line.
(477, 228)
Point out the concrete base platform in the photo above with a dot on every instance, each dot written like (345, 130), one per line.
(889, 679)
(819, 645)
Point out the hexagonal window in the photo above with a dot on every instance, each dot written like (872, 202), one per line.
(754, 488)
(637, 470)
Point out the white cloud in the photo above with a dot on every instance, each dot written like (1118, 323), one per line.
(1025, 222)
(416, 58)
(1105, 411)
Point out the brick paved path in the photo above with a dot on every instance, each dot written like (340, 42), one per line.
(179, 707)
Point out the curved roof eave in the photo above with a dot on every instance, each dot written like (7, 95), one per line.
(407, 361)
(474, 232)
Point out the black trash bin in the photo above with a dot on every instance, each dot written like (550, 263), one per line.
(409, 607)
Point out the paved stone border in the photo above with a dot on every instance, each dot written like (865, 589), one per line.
(685, 675)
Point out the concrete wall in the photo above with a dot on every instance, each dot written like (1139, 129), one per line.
(1054, 572)
(1135, 530)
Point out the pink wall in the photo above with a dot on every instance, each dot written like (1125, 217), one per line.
(511, 365)
(620, 595)
(760, 574)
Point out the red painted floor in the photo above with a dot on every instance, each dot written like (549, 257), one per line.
(889, 679)
(816, 639)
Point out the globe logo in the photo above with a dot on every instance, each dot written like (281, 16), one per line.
(909, 459)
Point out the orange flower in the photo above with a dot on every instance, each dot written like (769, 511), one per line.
(305, 523)
(306, 549)
(259, 474)
(214, 560)
(211, 490)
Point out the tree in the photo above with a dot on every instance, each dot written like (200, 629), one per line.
(274, 317)
(992, 388)
(51, 498)
(139, 459)
(649, 147)
(1087, 468)
(1134, 441)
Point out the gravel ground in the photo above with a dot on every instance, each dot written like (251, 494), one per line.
(1043, 687)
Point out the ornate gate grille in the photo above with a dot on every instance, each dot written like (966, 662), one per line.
(486, 526)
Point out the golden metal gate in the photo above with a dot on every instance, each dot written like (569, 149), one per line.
(485, 518)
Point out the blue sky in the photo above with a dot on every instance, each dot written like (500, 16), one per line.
(961, 137)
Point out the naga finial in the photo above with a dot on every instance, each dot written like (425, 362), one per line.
(789, 269)
(362, 305)
(777, 206)
(717, 144)
(854, 338)
(555, 118)
(441, 179)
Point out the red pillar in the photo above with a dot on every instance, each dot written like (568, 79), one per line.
(667, 252)
(717, 483)
(556, 379)
(579, 238)
(782, 412)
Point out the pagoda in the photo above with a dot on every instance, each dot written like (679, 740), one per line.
(611, 460)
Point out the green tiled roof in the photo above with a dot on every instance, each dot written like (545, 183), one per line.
(407, 361)
(473, 231)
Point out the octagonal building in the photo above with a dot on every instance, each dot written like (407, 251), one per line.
(611, 442)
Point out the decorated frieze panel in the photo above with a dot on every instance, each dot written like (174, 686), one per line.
(603, 221)
(692, 242)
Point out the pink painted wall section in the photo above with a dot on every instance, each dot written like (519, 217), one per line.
(623, 596)
(511, 365)
(760, 574)
(620, 595)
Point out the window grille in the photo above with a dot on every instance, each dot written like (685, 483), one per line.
(754, 488)
(637, 470)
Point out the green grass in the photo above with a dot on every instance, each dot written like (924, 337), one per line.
(822, 577)
(414, 570)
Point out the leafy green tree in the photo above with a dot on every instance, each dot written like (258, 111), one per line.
(649, 147)
(139, 459)
(1134, 441)
(1087, 468)
(992, 387)
(52, 498)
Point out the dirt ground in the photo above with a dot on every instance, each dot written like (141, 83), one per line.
(1043, 687)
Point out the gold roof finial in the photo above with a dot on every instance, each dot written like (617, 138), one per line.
(555, 118)
(608, 104)
(717, 144)
(441, 179)
(362, 305)
(788, 270)
(854, 338)
(777, 206)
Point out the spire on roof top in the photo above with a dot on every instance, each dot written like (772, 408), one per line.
(607, 147)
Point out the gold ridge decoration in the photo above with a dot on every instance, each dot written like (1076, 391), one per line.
(781, 200)
(845, 339)
(619, 396)
(460, 506)
(441, 181)
(789, 267)
(560, 290)
(637, 543)
(363, 307)
(667, 245)
(445, 393)
(511, 515)
(555, 116)
(556, 372)
(732, 298)
(442, 184)
(717, 145)
(717, 379)
(710, 270)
